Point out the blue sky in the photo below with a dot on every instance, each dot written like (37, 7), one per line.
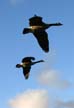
(14, 15)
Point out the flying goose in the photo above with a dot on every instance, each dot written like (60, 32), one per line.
(38, 27)
(26, 65)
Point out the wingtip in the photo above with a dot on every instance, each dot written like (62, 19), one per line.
(46, 50)
(27, 76)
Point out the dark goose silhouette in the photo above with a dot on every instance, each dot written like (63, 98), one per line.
(26, 65)
(38, 27)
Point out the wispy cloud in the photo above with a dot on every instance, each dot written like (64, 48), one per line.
(30, 99)
(52, 78)
(62, 104)
(14, 2)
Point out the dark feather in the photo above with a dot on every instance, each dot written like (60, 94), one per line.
(26, 65)
(26, 72)
(26, 30)
(36, 20)
(18, 65)
(27, 59)
(42, 38)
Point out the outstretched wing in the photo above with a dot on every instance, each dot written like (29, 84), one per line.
(42, 38)
(26, 72)
(27, 59)
(36, 20)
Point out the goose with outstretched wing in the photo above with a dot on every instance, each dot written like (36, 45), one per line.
(26, 65)
(38, 27)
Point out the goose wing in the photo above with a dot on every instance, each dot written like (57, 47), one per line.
(27, 59)
(42, 38)
(26, 72)
(35, 21)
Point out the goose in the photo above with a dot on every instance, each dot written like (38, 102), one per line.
(37, 27)
(26, 65)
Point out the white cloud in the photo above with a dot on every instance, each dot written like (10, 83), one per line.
(30, 99)
(52, 78)
(62, 104)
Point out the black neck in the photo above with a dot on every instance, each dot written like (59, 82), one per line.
(36, 62)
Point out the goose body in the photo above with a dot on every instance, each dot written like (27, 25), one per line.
(38, 27)
(26, 65)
